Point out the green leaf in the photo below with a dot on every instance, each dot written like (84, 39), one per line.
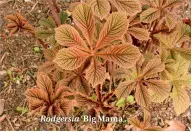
(130, 98)
(42, 34)
(9, 72)
(63, 17)
(22, 109)
(121, 102)
(49, 22)
(36, 49)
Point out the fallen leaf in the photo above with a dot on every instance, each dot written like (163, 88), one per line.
(2, 101)
(175, 126)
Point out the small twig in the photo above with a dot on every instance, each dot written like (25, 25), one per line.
(33, 7)
(10, 124)
(2, 58)
(54, 13)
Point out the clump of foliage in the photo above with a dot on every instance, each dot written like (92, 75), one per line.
(48, 99)
(106, 50)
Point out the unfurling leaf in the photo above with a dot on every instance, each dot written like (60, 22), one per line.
(124, 55)
(130, 7)
(95, 74)
(48, 100)
(101, 8)
(114, 29)
(70, 58)
(83, 18)
(149, 15)
(18, 23)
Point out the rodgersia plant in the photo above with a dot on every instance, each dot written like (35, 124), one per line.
(105, 50)
(124, 55)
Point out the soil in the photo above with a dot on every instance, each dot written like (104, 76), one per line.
(17, 55)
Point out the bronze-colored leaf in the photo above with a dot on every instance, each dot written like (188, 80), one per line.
(130, 7)
(124, 55)
(83, 18)
(139, 33)
(70, 58)
(115, 27)
(95, 74)
(124, 89)
(67, 35)
(44, 83)
(101, 8)
(142, 96)
(149, 15)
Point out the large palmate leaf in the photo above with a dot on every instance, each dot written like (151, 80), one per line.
(130, 7)
(124, 55)
(114, 29)
(139, 33)
(144, 83)
(149, 15)
(67, 35)
(101, 8)
(70, 58)
(83, 18)
(95, 74)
